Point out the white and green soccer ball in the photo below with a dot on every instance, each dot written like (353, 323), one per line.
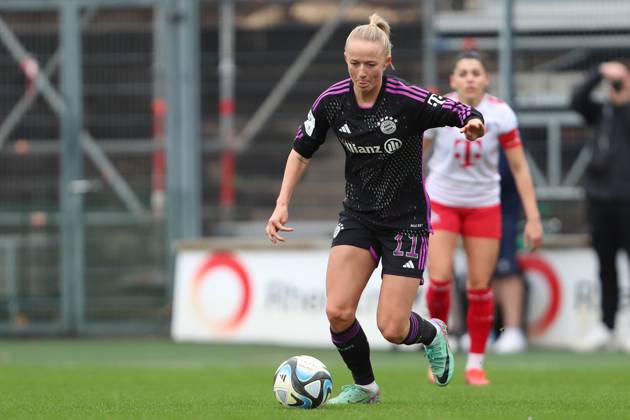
(302, 382)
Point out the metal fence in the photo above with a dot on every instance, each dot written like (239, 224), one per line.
(538, 51)
(98, 98)
(83, 232)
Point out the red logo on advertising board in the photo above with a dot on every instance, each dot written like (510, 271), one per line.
(205, 273)
(535, 263)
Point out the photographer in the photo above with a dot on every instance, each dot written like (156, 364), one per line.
(607, 185)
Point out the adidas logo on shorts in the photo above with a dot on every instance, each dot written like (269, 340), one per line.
(409, 264)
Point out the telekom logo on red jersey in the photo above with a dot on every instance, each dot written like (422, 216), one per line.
(467, 152)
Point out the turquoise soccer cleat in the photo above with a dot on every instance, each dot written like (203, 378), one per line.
(354, 394)
(440, 355)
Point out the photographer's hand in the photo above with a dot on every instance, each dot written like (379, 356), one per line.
(613, 70)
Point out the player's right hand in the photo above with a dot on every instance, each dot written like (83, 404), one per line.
(276, 223)
(473, 129)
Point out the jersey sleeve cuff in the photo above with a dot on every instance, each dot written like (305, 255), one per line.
(474, 114)
(510, 139)
(303, 150)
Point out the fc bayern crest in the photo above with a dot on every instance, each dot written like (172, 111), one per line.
(388, 125)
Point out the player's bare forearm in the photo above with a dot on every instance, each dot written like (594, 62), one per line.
(523, 180)
(525, 186)
(295, 168)
(296, 165)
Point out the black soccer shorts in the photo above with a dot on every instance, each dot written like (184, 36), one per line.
(401, 253)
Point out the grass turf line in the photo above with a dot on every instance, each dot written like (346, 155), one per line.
(155, 379)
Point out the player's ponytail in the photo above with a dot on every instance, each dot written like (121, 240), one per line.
(377, 20)
(378, 30)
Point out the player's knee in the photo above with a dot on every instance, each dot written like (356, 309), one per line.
(392, 331)
(478, 282)
(339, 318)
(441, 274)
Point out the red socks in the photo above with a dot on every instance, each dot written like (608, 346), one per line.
(439, 299)
(479, 318)
(480, 315)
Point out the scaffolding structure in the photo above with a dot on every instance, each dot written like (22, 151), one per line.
(126, 125)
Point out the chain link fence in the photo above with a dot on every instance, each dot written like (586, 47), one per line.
(124, 242)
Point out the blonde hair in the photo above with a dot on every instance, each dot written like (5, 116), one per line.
(377, 30)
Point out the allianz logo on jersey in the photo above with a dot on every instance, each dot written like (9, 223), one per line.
(390, 146)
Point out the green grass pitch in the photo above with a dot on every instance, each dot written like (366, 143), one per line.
(155, 379)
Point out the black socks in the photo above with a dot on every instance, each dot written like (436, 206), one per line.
(420, 330)
(354, 349)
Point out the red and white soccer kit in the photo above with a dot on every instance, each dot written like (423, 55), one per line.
(463, 182)
(463, 186)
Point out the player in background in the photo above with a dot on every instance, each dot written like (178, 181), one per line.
(508, 285)
(463, 184)
(378, 120)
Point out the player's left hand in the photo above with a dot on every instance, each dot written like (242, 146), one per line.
(473, 129)
(533, 234)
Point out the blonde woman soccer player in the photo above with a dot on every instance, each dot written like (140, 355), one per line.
(378, 120)
(463, 184)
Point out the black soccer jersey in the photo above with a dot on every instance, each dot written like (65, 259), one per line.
(383, 145)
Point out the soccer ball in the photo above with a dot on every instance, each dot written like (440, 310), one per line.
(303, 382)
